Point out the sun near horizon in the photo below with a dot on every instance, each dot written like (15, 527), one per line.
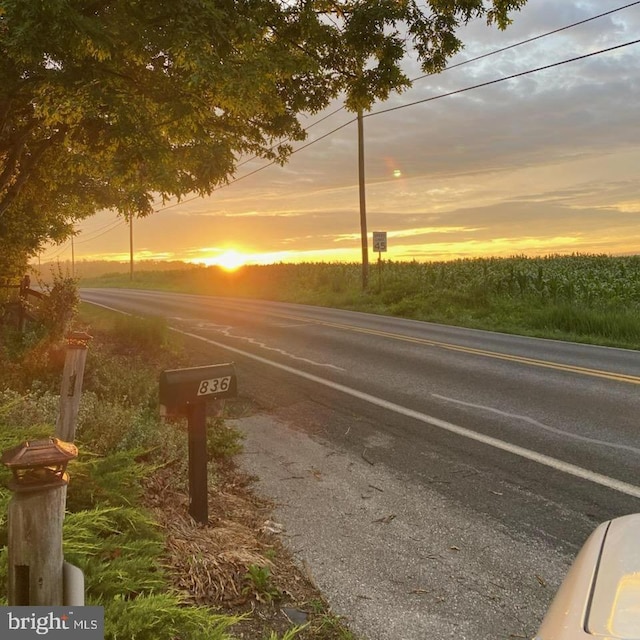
(229, 260)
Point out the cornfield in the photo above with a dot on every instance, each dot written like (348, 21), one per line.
(589, 281)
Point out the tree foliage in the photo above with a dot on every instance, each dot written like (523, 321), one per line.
(112, 104)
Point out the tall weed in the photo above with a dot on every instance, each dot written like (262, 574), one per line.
(614, 326)
(60, 304)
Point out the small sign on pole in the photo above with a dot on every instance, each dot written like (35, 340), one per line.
(380, 245)
(379, 241)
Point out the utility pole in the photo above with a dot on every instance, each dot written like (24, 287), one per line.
(363, 205)
(131, 246)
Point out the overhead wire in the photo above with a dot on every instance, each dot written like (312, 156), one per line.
(100, 228)
(322, 137)
(532, 39)
(57, 253)
(503, 79)
(112, 226)
(248, 160)
(116, 224)
(438, 97)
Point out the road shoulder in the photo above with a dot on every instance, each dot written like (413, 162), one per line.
(396, 559)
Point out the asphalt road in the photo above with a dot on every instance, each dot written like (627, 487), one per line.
(437, 481)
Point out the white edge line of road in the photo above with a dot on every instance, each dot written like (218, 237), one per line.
(548, 461)
(540, 458)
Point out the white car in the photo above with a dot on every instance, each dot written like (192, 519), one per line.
(600, 596)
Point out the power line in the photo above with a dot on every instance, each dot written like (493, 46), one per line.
(313, 124)
(496, 81)
(61, 250)
(460, 64)
(116, 223)
(57, 253)
(266, 166)
(424, 100)
(104, 226)
(432, 98)
(454, 66)
(533, 39)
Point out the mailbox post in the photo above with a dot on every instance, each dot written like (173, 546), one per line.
(186, 392)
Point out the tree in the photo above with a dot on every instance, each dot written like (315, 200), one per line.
(115, 103)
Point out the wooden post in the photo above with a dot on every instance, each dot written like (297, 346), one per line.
(131, 246)
(71, 391)
(35, 515)
(22, 311)
(363, 204)
(35, 547)
(198, 458)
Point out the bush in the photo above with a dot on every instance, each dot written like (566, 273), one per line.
(222, 441)
(163, 617)
(29, 409)
(60, 304)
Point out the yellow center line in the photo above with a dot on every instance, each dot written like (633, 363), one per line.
(597, 373)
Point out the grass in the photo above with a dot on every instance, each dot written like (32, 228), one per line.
(258, 580)
(158, 574)
(583, 298)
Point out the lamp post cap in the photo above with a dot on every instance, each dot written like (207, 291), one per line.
(78, 339)
(39, 453)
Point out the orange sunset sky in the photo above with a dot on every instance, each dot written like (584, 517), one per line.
(544, 163)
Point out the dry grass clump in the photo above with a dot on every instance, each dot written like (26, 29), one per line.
(209, 564)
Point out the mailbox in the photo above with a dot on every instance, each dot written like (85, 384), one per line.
(180, 388)
(186, 391)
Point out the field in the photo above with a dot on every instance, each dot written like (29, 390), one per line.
(585, 298)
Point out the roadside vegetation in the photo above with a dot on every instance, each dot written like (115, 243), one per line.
(583, 298)
(159, 575)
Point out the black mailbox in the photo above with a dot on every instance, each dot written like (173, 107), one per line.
(180, 388)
